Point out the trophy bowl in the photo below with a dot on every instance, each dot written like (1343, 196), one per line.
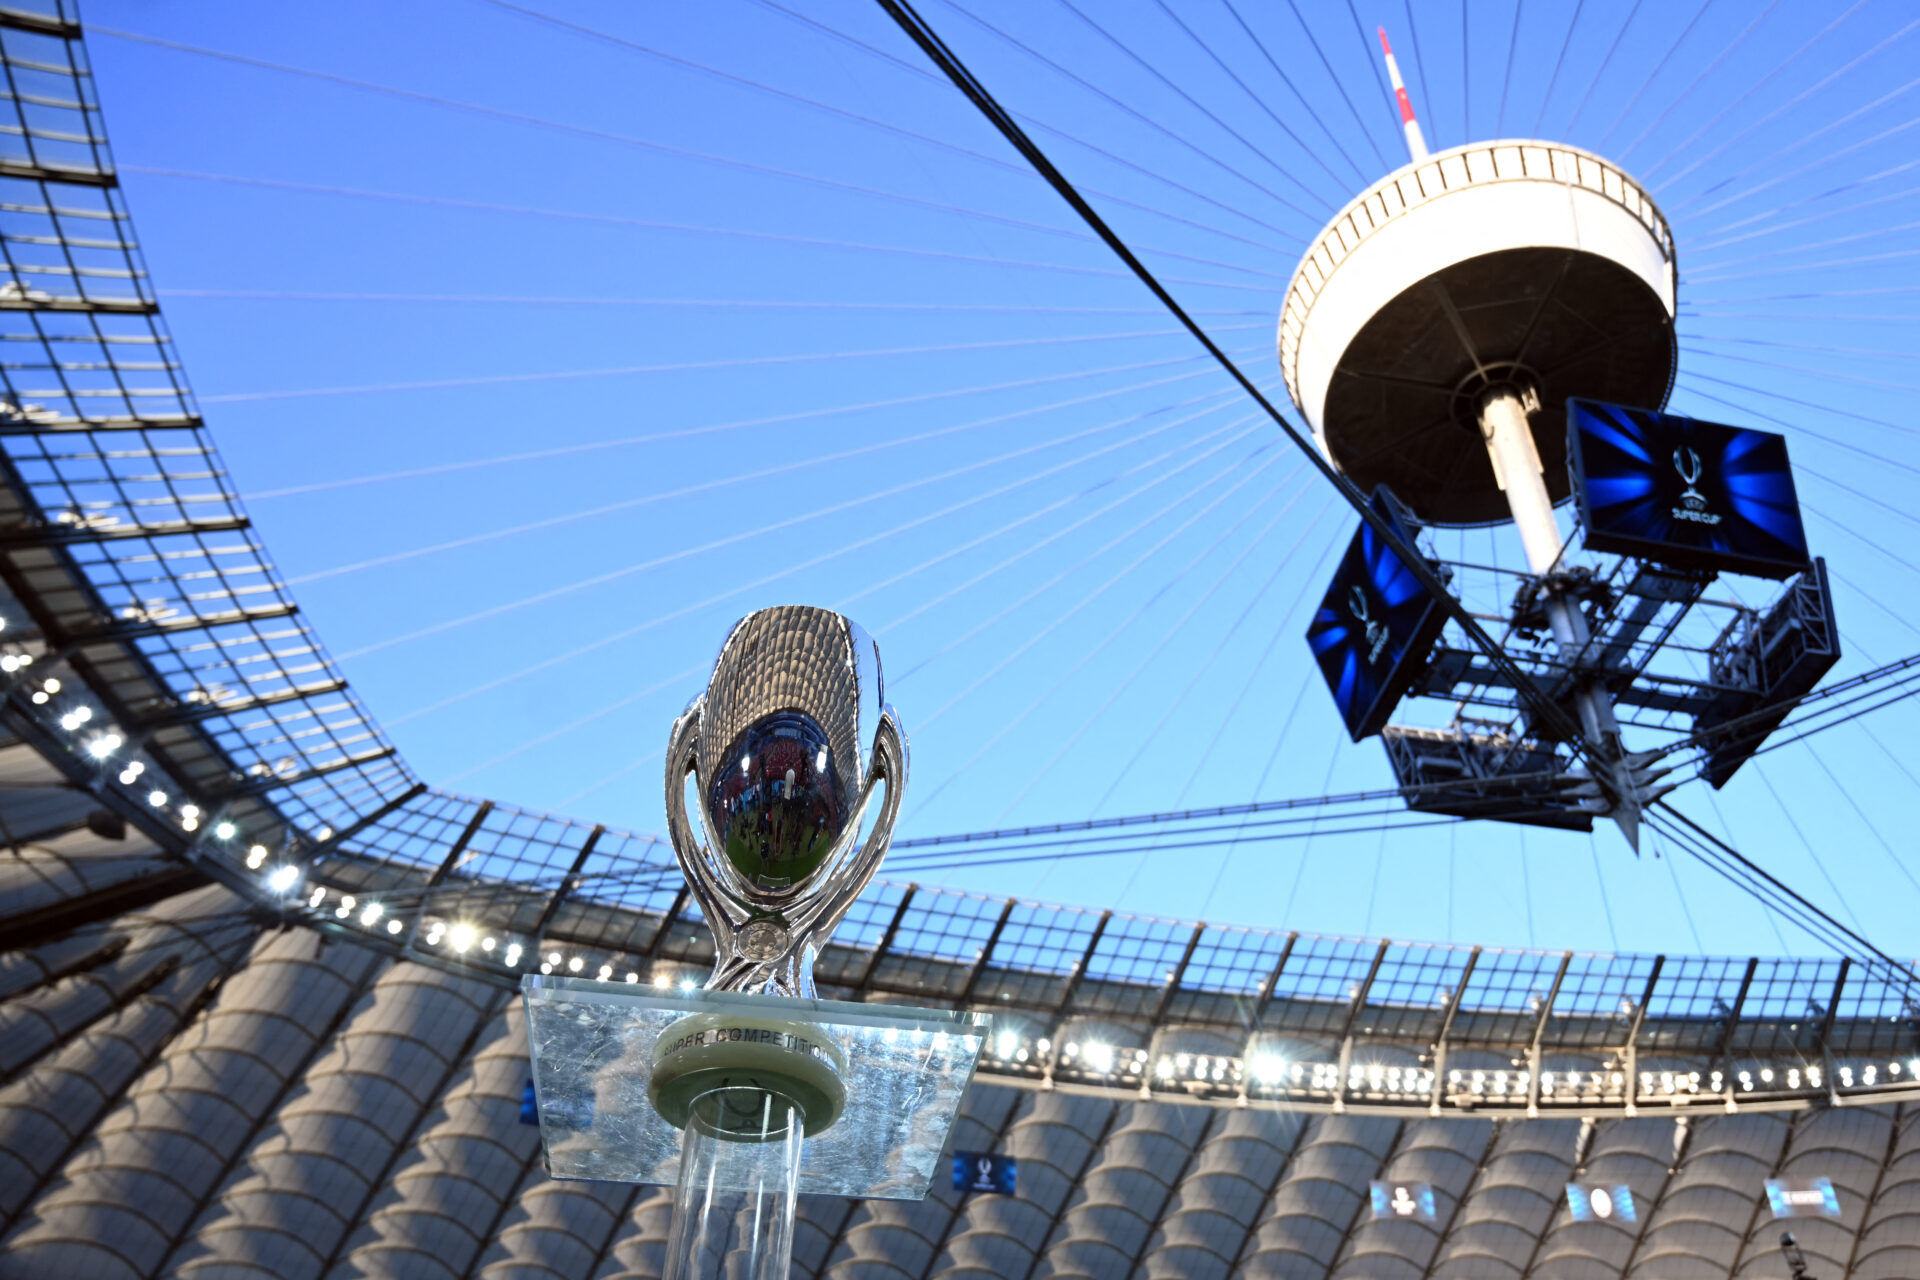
(788, 746)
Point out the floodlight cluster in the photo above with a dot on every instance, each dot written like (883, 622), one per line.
(1267, 1073)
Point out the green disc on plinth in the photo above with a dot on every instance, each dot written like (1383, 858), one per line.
(795, 1062)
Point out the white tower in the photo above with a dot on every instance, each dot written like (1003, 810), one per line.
(1435, 330)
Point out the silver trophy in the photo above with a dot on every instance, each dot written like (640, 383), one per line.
(786, 747)
(754, 1089)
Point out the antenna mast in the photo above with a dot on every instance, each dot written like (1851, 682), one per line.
(1416, 142)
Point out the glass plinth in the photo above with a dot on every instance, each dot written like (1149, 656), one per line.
(593, 1050)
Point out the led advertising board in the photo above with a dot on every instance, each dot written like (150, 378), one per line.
(977, 1171)
(1403, 1200)
(1802, 1198)
(1375, 625)
(1694, 495)
(1600, 1204)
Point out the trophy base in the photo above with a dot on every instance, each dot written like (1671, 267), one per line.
(616, 1068)
(793, 1064)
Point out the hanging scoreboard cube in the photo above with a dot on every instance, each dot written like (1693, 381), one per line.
(1685, 493)
(1375, 626)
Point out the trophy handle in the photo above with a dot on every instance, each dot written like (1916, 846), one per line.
(845, 882)
(688, 849)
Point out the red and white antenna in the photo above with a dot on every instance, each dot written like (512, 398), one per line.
(1416, 143)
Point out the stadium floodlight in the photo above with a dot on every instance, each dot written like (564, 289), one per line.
(157, 798)
(284, 877)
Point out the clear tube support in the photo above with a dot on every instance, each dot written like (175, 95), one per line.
(747, 1234)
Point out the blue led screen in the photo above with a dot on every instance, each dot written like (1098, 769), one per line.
(1802, 1198)
(1403, 1200)
(1375, 625)
(1680, 492)
(1600, 1204)
(982, 1172)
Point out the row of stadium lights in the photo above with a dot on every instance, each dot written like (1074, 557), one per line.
(102, 747)
(283, 878)
(1274, 1071)
(461, 938)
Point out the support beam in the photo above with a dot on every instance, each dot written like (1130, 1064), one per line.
(1264, 997)
(13, 168)
(261, 786)
(1346, 1031)
(194, 713)
(539, 930)
(142, 629)
(326, 847)
(1632, 1051)
(986, 952)
(1079, 973)
(1833, 1005)
(22, 537)
(1539, 1033)
(1516, 465)
(1179, 972)
(668, 921)
(1446, 1029)
(1725, 1054)
(885, 944)
(459, 845)
(44, 24)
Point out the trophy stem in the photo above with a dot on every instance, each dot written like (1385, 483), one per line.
(736, 1137)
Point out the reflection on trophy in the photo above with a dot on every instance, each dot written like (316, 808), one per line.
(786, 747)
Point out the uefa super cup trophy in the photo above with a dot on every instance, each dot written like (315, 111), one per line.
(753, 1089)
(786, 747)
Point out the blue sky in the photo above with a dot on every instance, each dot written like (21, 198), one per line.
(539, 358)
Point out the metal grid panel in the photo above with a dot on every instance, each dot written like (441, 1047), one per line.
(1409, 996)
(1880, 1019)
(1502, 1003)
(945, 932)
(1692, 1005)
(1322, 978)
(1136, 961)
(1785, 1007)
(1597, 1002)
(112, 474)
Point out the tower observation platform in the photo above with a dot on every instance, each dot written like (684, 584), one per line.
(1529, 268)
